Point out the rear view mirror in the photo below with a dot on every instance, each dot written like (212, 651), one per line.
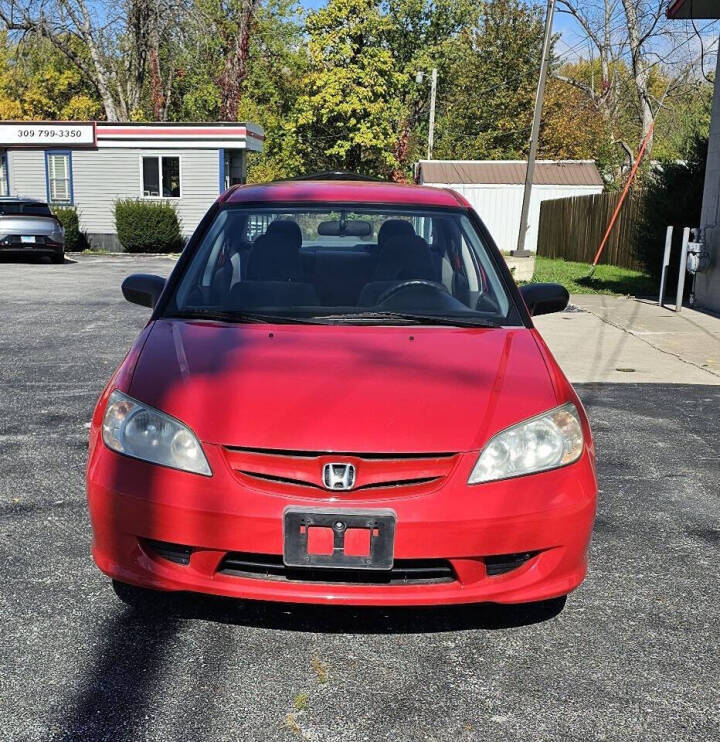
(143, 289)
(354, 228)
(545, 298)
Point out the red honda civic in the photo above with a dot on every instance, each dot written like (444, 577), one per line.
(340, 397)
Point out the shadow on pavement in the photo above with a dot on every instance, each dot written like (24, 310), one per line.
(347, 619)
(115, 697)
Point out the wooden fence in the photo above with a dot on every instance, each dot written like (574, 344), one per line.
(573, 228)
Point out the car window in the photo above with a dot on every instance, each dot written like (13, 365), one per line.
(16, 208)
(344, 264)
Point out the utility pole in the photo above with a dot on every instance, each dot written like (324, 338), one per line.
(433, 93)
(530, 176)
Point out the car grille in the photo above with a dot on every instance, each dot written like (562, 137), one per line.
(403, 572)
(277, 471)
(272, 567)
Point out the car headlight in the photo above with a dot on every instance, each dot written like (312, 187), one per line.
(547, 441)
(133, 428)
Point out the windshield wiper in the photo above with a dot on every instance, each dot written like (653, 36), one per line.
(242, 317)
(408, 317)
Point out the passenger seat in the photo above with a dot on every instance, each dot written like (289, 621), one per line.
(275, 277)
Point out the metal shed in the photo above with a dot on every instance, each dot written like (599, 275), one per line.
(90, 165)
(495, 189)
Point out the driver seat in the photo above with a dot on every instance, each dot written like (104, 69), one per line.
(401, 258)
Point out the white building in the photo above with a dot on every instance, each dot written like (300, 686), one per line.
(90, 165)
(707, 285)
(495, 188)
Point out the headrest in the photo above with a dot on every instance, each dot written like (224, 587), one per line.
(393, 229)
(286, 229)
(404, 258)
(276, 256)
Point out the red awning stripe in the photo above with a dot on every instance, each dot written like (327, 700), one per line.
(220, 132)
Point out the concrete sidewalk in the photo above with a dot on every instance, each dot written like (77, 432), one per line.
(621, 339)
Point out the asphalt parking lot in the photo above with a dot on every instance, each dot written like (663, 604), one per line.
(633, 655)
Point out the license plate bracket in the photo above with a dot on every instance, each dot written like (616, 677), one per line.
(380, 523)
(27, 239)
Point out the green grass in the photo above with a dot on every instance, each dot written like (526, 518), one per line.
(301, 701)
(608, 279)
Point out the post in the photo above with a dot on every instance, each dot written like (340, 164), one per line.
(433, 94)
(530, 176)
(683, 269)
(665, 265)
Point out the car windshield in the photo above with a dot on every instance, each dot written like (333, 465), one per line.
(343, 266)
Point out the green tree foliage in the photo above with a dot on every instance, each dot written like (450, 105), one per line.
(336, 88)
(37, 82)
(672, 196)
(347, 118)
(75, 239)
(487, 108)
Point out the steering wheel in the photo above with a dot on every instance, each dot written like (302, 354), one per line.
(418, 285)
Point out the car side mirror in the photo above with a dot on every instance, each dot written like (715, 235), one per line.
(545, 298)
(143, 289)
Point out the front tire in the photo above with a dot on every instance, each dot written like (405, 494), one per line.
(58, 258)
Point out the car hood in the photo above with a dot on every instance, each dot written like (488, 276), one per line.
(349, 389)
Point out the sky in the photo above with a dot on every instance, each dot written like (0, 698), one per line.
(572, 44)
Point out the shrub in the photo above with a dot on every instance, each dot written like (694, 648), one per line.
(147, 226)
(75, 240)
(672, 195)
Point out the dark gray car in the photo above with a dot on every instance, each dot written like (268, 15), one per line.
(28, 227)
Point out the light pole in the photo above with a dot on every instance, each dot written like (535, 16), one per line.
(433, 93)
(530, 175)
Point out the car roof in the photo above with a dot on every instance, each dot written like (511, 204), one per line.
(344, 191)
(20, 200)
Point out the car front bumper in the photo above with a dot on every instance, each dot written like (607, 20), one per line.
(549, 515)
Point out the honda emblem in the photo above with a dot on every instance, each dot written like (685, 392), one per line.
(339, 476)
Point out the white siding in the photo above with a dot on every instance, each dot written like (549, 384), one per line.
(500, 207)
(27, 173)
(707, 286)
(101, 176)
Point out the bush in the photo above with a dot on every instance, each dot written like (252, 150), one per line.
(75, 240)
(672, 195)
(147, 226)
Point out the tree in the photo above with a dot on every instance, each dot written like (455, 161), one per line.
(37, 82)
(673, 194)
(110, 44)
(232, 23)
(635, 47)
(422, 35)
(572, 128)
(487, 110)
(347, 119)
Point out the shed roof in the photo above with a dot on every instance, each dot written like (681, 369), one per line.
(509, 172)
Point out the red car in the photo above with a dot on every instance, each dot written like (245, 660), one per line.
(340, 397)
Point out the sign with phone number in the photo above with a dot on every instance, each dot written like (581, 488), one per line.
(32, 134)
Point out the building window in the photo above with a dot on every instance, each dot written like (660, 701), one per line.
(161, 177)
(58, 167)
(4, 185)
